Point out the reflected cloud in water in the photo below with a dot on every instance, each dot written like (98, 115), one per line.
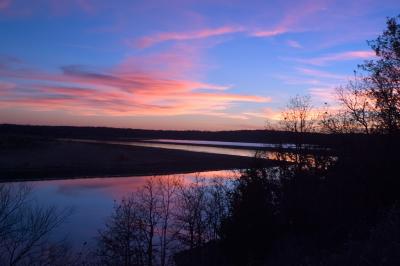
(93, 199)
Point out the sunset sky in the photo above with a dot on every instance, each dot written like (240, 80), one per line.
(177, 64)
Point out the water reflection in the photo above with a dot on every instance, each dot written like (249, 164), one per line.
(207, 149)
(237, 144)
(247, 149)
(185, 147)
(93, 199)
(222, 143)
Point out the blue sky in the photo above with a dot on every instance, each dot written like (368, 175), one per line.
(177, 64)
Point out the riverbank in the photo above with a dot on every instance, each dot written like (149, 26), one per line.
(55, 159)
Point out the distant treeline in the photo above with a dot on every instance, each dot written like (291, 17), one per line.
(106, 133)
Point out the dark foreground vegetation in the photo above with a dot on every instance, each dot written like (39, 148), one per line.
(324, 210)
(319, 210)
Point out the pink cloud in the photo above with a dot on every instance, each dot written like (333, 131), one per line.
(182, 36)
(124, 90)
(291, 21)
(178, 61)
(151, 85)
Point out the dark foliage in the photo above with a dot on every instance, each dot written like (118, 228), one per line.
(252, 225)
(319, 216)
(383, 76)
(328, 210)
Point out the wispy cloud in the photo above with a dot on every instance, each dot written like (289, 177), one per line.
(266, 113)
(119, 91)
(294, 44)
(296, 80)
(182, 36)
(323, 94)
(293, 18)
(321, 74)
(326, 59)
(269, 33)
(313, 77)
(290, 22)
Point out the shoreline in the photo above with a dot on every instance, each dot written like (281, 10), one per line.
(56, 159)
(54, 178)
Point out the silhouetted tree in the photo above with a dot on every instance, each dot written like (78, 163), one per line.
(25, 229)
(297, 117)
(122, 240)
(191, 215)
(143, 229)
(383, 76)
(167, 191)
(358, 104)
(217, 207)
(150, 217)
(203, 204)
(327, 209)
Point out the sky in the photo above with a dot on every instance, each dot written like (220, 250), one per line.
(177, 64)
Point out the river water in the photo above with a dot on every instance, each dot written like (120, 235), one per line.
(92, 199)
